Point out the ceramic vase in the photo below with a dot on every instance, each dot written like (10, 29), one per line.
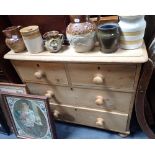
(108, 37)
(14, 39)
(53, 41)
(132, 30)
(32, 39)
(81, 33)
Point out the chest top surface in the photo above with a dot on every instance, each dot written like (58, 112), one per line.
(96, 56)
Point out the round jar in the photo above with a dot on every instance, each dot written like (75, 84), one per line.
(32, 39)
(132, 31)
(108, 37)
(81, 34)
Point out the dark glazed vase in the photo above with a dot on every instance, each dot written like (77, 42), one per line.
(108, 37)
(14, 39)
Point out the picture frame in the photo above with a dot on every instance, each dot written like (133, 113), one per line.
(30, 116)
(5, 123)
(4, 128)
(13, 88)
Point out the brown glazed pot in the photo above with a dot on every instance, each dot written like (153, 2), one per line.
(14, 39)
(81, 33)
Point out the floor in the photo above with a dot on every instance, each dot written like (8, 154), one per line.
(71, 131)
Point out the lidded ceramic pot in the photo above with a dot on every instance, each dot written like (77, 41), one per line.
(14, 39)
(32, 39)
(53, 41)
(132, 31)
(81, 33)
(108, 37)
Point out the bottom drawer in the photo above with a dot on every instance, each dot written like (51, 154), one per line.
(65, 113)
(102, 119)
(94, 118)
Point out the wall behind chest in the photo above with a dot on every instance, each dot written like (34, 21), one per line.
(45, 22)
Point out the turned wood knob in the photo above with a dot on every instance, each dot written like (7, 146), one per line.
(56, 113)
(49, 94)
(98, 79)
(39, 74)
(99, 100)
(100, 121)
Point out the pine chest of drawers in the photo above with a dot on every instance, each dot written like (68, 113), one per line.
(93, 89)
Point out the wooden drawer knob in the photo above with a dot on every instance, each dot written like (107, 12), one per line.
(99, 100)
(99, 121)
(56, 113)
(98, 79)
(39, 74)
(49, 94)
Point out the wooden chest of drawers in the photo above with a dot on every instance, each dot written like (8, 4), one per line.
(93, 89)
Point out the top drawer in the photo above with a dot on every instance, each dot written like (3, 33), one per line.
(113, 76)
(40, 72)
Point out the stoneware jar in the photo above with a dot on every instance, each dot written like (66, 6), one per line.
(108, 37)
(14, 39)
(132, 31)
(81, 33)
(32, 38)
(53, 41)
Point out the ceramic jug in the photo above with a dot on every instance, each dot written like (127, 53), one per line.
(53, 41)
(14, 39)
(32, 39)
(108, 37)
(81, 33)
(132, 31)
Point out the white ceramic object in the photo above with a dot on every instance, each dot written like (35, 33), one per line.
(81, 33)
(82, 43)
(132, 31)
(53, 41)
(32, 39)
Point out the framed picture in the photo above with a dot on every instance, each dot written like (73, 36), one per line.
(13, 88)
(4, 128)
(5, 124)
(30, 116)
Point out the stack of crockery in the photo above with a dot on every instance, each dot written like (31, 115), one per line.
(132, 31)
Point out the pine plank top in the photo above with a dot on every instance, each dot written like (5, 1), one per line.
(96, 56)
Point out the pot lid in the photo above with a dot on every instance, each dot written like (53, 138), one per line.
(29, 30)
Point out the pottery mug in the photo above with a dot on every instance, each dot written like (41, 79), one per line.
(53, 41)
(108, 37)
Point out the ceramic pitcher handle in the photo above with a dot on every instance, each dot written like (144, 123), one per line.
(62, 37)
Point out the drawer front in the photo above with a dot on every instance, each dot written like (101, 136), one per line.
(93, 118)
(113, 76)
(64, 113)
(39, 72)
(88, 98)
(59, 95)
(103, 99)
(104, 120)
